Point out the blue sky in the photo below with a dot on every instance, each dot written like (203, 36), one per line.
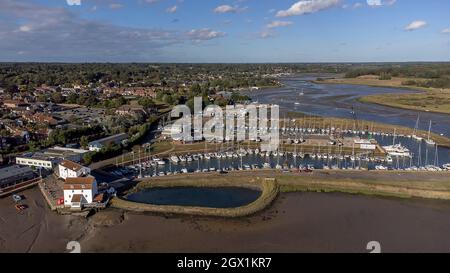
(224, 31)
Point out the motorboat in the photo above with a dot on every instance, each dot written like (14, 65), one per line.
(397, 150)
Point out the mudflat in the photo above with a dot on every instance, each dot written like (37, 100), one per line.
(297, 222)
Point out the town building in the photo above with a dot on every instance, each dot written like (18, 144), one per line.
(79, 191)
(134, 111)
(49, 158)
(360, 143)
(70, 169)
(99, 144)
(15, 174)
(38, 160)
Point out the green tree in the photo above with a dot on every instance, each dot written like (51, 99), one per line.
(84, 142)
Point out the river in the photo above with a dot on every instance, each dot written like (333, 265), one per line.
(337, 100)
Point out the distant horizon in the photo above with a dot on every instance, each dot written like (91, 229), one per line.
(381, 62)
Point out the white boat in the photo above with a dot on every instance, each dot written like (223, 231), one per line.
(432, 168)
(446, 167)
(429, 141)
(267, 166)
(397, 150)
(174, 159)
(380, 168)
(416, 128)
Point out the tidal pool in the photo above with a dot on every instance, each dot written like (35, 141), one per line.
(220, 197)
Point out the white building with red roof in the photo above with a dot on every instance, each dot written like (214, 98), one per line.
(69, 168)
(79, 191)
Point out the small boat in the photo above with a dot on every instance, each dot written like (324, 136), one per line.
(161, 162)
(380, 168)
(429, 141)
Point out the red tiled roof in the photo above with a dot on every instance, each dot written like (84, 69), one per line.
(71, 165)
(79, 183)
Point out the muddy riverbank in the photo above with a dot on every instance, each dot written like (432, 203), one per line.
(297, 222)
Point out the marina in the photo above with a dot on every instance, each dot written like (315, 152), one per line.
(400, 153)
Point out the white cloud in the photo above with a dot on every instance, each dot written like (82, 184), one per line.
(172, 9)
(73, 2)
(308, 6)
(415, 25)
(380, 3)
(275, 24)
(204, 34)
(446, 31)
(25, 28)
(86, 40)
(228, 9)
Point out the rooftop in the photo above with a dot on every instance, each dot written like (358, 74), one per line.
(79, 183)
(71, 165)
(14, 170)
(117, 137)
(52, 153)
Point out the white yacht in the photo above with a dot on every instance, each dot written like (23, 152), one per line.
(380, 168)
(397, 150)
(429, 141)
(175, 159)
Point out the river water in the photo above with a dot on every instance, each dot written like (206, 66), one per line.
(337, 100)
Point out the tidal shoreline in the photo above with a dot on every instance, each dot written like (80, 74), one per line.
(297, 222)
(395, 100)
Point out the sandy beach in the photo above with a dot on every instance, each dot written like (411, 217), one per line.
(297, 222)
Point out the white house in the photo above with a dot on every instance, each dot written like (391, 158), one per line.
(69, 168)
(79, 191)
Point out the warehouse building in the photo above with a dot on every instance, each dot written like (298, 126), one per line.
(99, 144)
(49, 158)
(15, 174)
